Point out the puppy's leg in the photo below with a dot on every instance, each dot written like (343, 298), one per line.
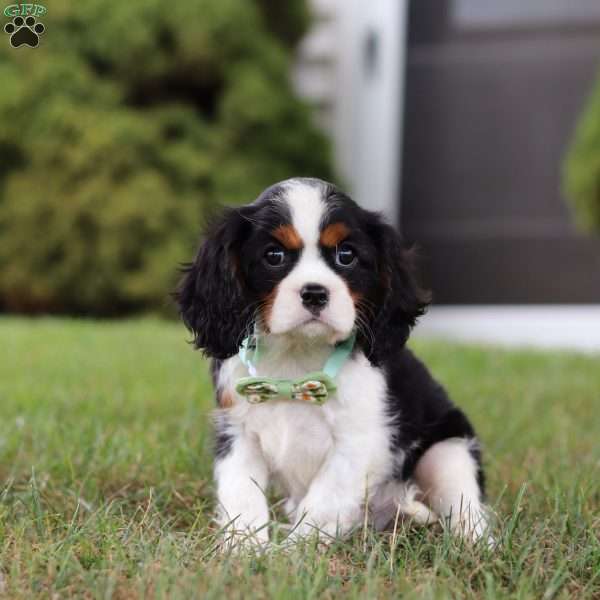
(334, 503)
(447, 475)
(242, 477)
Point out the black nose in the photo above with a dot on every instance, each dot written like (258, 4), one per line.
(314, 296)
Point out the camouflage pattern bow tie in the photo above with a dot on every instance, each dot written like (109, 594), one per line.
(314, 388)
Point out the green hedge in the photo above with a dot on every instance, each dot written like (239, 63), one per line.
(582, 167)
(125, 125)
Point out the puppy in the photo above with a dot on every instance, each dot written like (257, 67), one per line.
(302, 272)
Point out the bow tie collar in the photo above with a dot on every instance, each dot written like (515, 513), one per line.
(314, 388)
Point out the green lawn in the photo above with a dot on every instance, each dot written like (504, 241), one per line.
(106, 477)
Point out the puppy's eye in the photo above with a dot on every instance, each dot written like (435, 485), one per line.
(274, 256)
(345, 255)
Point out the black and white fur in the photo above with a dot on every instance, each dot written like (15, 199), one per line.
(390, 440)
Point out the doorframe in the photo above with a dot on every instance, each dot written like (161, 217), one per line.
(372, 40)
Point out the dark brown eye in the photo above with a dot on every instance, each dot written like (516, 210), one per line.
(345, 255)
(274, 256)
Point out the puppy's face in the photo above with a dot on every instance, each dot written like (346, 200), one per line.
(302, 260)
(307, 262)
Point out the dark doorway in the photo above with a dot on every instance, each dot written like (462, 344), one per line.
(494, 90)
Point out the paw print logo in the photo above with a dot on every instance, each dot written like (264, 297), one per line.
(24, 31)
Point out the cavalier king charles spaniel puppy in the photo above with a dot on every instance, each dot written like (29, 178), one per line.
(304, 301)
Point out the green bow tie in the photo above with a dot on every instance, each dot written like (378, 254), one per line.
(314, 388)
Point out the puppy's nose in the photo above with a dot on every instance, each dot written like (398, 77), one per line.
(314, 297)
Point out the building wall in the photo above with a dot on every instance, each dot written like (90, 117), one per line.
(351, 66)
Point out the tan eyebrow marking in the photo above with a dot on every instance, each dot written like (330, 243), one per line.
(333, 234)
(288, 237)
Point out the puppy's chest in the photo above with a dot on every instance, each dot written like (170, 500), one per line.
(296, 438)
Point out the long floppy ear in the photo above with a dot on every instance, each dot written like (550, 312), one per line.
(403, 301)
(211, 297)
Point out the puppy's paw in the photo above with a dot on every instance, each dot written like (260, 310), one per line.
(474, 527)
(327, 527)
(244, 539)
(303, 533)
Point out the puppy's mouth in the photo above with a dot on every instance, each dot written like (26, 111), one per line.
(316, 325)
(312, 320)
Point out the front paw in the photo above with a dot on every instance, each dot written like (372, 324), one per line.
(327, 526)
(239, 535)
(324, 533)
(307, 528)
(242, 540)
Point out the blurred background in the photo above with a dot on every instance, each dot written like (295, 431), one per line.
(473, 124)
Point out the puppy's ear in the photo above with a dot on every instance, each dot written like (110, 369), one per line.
(402, 300)
(211, 296)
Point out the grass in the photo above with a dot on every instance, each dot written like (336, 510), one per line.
(106, 478)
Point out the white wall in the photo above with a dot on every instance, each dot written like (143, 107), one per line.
(315, 72)
(360, 107)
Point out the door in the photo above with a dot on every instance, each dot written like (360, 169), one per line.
(493, 91)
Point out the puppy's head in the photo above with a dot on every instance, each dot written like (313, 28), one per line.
(303, 260)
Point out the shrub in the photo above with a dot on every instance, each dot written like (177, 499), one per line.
(125, 125)
(582, 167)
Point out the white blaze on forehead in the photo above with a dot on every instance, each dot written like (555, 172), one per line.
(307, 208)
